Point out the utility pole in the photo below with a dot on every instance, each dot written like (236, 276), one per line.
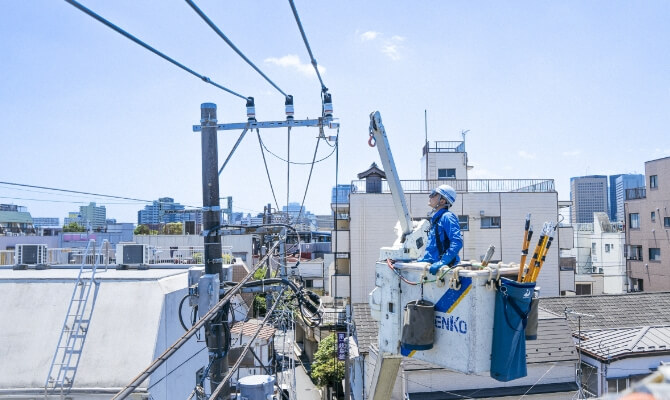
(211, 220)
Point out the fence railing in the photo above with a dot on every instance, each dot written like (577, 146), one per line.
(466, 185)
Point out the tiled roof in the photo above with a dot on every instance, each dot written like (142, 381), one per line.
(611, 344)
(554, 341)
(612, 311)
(248, 328)
(366, 328)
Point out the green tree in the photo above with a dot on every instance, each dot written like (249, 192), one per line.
(326, 369)
(73, 227)
(172, 228)
(142, 230)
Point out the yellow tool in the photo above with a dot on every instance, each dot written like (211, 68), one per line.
(545, 250)
(536, 256)
(528, 233)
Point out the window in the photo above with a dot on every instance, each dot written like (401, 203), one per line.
(653, 181)
(446, 173)
(654, 254)
(634, 220)
(666, 222)
(463, 222)
(653, 216)
(490, 222)
(583, 289)
(607, 248)
(309, 283)
(594, 250)
(635, 253)
(617, 385)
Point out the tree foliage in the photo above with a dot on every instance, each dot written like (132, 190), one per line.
(74, 227)
(326, 369)
(172, 228)
(142, 230)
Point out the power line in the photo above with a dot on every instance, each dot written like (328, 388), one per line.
(299, 162)
(230, 43)
(309, 50)
(267, 171)
(75, 191)
(151, 49)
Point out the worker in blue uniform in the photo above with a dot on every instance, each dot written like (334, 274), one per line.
(444, 238)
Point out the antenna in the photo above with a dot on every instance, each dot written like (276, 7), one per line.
(580, 392)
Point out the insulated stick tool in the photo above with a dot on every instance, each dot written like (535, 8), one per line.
(536, 271)
(537, 254)
(528, 233)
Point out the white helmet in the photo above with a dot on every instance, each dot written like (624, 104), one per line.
(447, 192)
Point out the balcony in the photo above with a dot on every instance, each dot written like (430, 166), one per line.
(467, 185)
(636, 193)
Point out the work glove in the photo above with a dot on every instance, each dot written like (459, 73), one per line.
(434, 267)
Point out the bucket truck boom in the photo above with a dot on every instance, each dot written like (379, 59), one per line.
(412, 236)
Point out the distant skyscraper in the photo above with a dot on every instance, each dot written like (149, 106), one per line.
(588, 195)
(623, 182)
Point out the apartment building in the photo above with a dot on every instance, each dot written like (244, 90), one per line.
(647, 213)
(491, 212)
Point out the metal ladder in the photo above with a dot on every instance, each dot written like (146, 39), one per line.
(73, 335)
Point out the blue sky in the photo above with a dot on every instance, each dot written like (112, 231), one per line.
(547, 89)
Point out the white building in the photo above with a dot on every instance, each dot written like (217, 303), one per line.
(599, 254)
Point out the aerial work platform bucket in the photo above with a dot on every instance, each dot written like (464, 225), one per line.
(462, 318)
(513, 304)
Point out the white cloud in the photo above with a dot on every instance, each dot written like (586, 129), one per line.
(392, 47)
(369, 35)
(293, 61)
(525, 155)
(391, 50)
(572, 153)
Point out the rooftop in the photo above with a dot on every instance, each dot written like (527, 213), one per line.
(613, 344)
(466, 185)
(612, 311)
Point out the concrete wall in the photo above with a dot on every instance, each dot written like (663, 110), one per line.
(134, 320)
(10, 242)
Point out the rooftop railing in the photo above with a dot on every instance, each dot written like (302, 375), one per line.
(467, 185)
(444, 147)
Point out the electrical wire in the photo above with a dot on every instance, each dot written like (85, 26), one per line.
(299, 162)
(309, 178)
(267, 171)
(75, 191)
(288, 169)
(221, 384)
(151, 49)
(309, 50)
(232, 46)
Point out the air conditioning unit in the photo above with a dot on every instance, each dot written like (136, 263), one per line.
(31, 254)
(132, 254)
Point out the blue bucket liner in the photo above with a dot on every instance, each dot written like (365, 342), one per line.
(508, 353)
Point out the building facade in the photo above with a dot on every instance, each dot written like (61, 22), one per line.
(621, 184)
(647, 213)
(165, 210)
(588, 195)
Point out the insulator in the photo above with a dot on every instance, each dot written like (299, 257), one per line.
(327, 105)
(251, 109)
(288, 103)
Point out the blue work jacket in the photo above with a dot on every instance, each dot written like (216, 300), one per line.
(451, 240)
